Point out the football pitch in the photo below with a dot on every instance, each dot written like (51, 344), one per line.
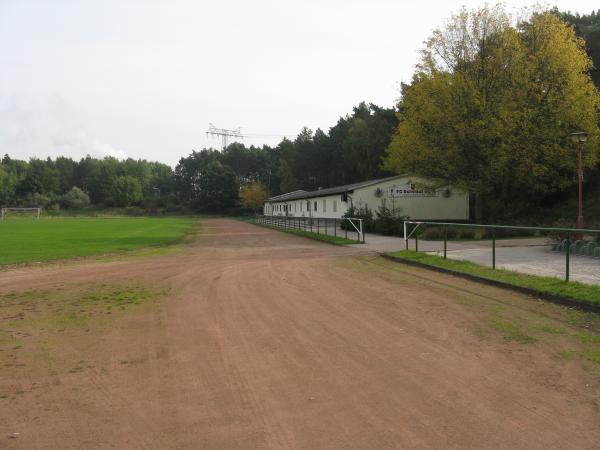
(28, 240)
(254, 338)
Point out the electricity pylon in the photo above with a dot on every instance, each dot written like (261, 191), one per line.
(225, 134)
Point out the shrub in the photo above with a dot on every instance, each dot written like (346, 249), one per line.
(433, 233)
(466, 233)
(361, 212)
(37, 200)
(389, 222)
(500, 233)
(76, 198)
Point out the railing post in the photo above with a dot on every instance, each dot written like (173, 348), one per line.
(493, 249)
(362, 230)
(318, 227)
(445, 240)
(346, 231)
(568, 249)
(416, 240)
(335, 227)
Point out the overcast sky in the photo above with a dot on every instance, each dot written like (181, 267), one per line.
(143, 79)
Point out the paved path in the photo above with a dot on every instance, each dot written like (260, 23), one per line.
(535, 261)
(525, 255)
(385, 244)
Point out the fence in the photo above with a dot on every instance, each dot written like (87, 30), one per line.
(320, 225)
(580, 242)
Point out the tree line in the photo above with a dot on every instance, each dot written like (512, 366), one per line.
(352, 150)
(488, 109)
(63, 182)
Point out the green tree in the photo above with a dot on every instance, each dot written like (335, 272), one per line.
(76, 198)
(588, 27)
(490, 106)
(126, 190)
(8, 183)
(217, 188)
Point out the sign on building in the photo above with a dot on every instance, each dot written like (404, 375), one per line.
(410, 190)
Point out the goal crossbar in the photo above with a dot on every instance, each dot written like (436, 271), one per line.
(3, 211)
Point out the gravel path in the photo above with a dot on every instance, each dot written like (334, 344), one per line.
(268, 340)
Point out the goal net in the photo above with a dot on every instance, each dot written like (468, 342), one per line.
(20, 212)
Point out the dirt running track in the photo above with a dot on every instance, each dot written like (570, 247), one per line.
(268, 340)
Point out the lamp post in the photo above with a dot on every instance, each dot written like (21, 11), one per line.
(580, 137)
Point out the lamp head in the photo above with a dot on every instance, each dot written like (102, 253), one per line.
(579, 136)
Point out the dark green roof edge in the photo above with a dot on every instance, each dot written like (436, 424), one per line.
(299, 195)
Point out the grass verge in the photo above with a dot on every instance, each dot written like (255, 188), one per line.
(29, 240)
(579, 292)
(336, 240)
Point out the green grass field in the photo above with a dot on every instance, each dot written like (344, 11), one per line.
(28, 240)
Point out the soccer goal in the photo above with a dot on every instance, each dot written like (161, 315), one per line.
(20, 212)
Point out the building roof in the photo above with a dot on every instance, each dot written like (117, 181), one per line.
(298, 195)
(286, 196)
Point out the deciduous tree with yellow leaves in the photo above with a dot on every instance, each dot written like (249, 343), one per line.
(490, 107)
(252, 196)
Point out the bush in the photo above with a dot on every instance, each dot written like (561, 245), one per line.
(433, 233)
(36, 200)
(466, 233)
(389, 222)
(500, 233)
(362, 212)
(76, 199)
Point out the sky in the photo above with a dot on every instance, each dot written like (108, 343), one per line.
(143, 79)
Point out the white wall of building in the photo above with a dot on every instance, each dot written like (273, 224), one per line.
(327, 206)
(404, 193)
(445, 203)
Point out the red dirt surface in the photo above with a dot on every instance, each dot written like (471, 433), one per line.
(268, 340)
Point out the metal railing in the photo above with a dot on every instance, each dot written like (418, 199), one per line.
(567, 240)
(328, 226)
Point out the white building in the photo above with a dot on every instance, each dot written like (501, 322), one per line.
(408, 193)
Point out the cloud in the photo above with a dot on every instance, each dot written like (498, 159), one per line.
(78, 142)
(48, 126)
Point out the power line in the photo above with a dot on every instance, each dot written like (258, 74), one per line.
(226, 134)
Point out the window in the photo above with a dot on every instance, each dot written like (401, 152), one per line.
(307, 206)
(324, 205)
(335, 206)
(315, 206)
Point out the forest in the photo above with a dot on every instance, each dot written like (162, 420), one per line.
(491, 118)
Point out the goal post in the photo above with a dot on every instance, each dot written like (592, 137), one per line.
(35, 212)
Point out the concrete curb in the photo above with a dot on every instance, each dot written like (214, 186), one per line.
(552, 298)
